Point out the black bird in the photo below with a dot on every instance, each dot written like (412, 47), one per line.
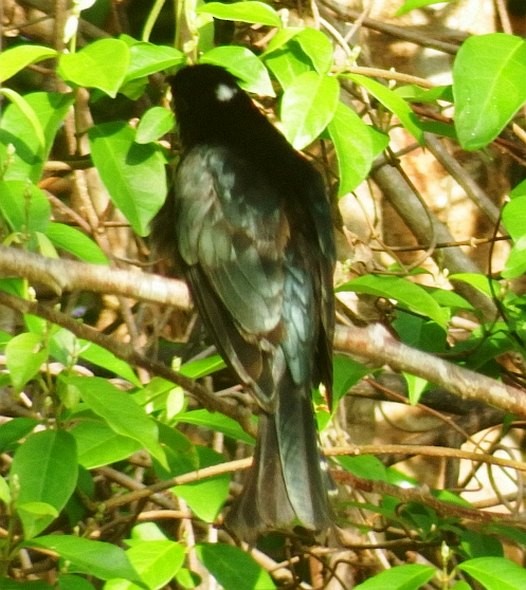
(250, 222)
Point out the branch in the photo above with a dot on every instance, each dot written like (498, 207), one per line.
(372, 342)
(69, 275)
(375, 342)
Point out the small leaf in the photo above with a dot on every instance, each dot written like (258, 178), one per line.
(207, 496)
(486, 102)
(409, 5)
(514, 217)
(24, 357)
(307, 107)
(133, 174)
(120, 411)
(156, 562)
(44, 472)
(404, 577)
(318, 47)
(392, 102)
(17, 58)
(13, 430)
(27, 163)
(155, 123)
(516, 262)
(287, 63)
(249, 11)
(233, 568)
(102, 64)
(27, 111)
(24, 206)
(217, 422)
(104, 358)
(356, 144)
(495, 573)
(75, 242)
(147, 59)
(99, 445)
(410, 295)
(243, 64)
(102, 560)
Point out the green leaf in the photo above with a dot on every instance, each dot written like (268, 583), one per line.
(408, 294)
(495, 573)
(216, 421)
(99, 445)
(24, 206)
(27, 163)
(243, 64)
(44, 471)
(307, 107)
(317, 46)
(133, 174)
(409, 5)
(516, 262)
(24, 357)
(107, 360)
(286, 61)
(72, 582)
(17, 58)
(156, 562)
(514, 217)
(120, 411)
(403, 577)
(207, 496)
(249, 11)
(27, 111)
(486, 102)
(365, 466)
(347, 372)
(202, 367)
(476, 280)
(147, 59)
(519, 190)
(102, 64)
(356, 144)
(155, 123)
(392, 102)
(233, 568)
(13, 430)
(96, 558)
(75, 242)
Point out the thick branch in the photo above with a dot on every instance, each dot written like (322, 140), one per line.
(69, 275)
(375, 342)
(372, 342)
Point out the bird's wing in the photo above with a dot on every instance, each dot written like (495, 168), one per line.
(232, 235)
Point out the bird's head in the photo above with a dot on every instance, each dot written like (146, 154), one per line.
(207, 101)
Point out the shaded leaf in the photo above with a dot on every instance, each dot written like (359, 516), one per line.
(233, 568)
(96, 558)
(243, 64)
(44, 471)
(134, 174)
(120, 411)
(75, 242)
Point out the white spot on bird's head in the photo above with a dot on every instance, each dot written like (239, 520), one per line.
(224, 93)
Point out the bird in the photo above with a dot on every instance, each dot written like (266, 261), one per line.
(249, 220)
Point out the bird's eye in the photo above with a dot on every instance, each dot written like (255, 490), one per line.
(224, 93)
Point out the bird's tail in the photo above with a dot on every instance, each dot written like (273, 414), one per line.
(286, 485)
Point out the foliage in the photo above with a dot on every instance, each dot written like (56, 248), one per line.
(94, 444)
